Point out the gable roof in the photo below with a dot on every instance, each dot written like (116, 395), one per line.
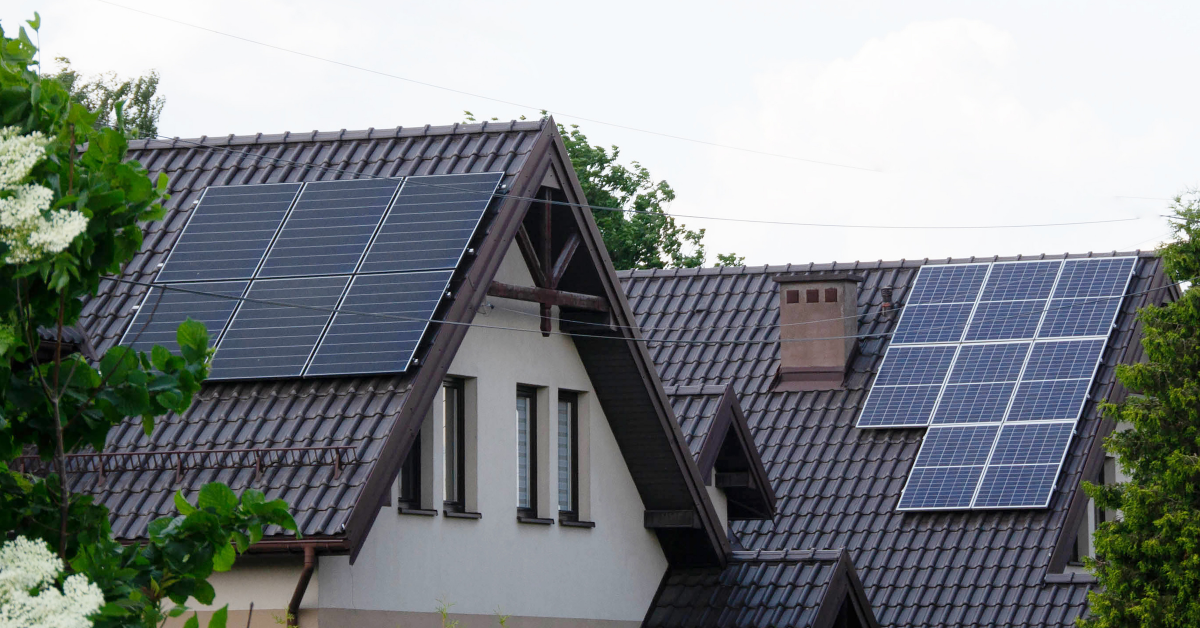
(332, 447)
(838, 486)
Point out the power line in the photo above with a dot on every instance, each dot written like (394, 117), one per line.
(452, 187)
(483, 97)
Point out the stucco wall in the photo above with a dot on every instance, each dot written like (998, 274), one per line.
(266, 581)
(409, 562)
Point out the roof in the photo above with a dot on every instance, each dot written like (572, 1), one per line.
(792, 588)
(332, 447)
(838, 485)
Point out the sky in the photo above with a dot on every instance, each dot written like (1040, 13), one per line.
(877, 115)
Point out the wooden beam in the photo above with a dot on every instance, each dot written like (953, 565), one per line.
(668, 519)
(564, 259)
(529, 252)
(547, 296)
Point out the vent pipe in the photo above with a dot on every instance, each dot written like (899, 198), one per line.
(818, 316)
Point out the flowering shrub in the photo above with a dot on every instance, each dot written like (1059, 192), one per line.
(27, 226)
(29, 597)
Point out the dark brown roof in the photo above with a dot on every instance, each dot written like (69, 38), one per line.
(838, 485)
(357, 411)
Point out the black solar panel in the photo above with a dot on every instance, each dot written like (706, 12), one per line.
(932, 323)
(268, 340)
(1000, 362)
(356, 343)
(973, 403)
(329, 228)
(958, 283)
(431, 222)
(1005, 320)
(163, 309)
(228, 232)
(899, 406)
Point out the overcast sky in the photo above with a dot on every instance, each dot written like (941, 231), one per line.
(952, 113)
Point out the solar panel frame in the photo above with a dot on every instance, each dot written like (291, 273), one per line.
(949, 283)
(167, 274)
(933, 323)
(1027, 281)
(1080, 317)
(1005, 320)
(899, 406)
(973, 403)
(1095, 277)
(1012, 487)
(939, 488)
(989, 362)
(171, 295)
(895, 359)
(1049, 399)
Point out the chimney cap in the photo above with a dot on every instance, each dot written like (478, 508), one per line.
(816, 277)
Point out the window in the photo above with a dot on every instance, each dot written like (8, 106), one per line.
(454, 446)
(410, 477)
(568, 456)
(527, 451)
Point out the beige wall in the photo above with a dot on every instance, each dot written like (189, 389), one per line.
(409, 562)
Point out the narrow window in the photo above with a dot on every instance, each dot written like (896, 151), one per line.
(568, 455)
(454, 445)
(527, 451)
(410, 476)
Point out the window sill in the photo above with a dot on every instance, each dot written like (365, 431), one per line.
(535, 520)
(461, 514)
(574, 523)
(424, 512)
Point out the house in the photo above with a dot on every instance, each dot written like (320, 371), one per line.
(803, 366)
(423, 347)
(395, 361)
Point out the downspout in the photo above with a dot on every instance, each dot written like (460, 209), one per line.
(293, 609)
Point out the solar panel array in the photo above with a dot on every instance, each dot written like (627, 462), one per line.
(315, 279)
(996, 359)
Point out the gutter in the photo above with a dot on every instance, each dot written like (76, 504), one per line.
(293, 609)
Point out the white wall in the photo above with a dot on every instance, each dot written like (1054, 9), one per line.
(409, 562)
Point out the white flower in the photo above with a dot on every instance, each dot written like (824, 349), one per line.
(25, 226)
(28, 597)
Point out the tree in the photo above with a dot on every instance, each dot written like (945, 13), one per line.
(637, 231)
(100, 94)
(70, 209)
(1148, 560)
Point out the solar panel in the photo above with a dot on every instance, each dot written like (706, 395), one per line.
(899, 406)
(932, 323)
(1080, 317)
(939, 488)
(1019, 486)
(228, 232)
(1005, 320)
(999, 362)
(958, 283)
(956, 446)
(1017, 281)
(1063, 359)
(329, 228)
(1032, 443)
(163, 309)
(431, 222)
(276, 339)
(356, 343)
(973, 403)
(1097, 277)
(1061, 399)
(915, 365)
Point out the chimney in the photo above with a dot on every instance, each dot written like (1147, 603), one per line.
(818, 316)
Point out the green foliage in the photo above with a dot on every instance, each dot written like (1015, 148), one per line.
(730, 259)
(1148, 561)
(61, 403)
(100, 94)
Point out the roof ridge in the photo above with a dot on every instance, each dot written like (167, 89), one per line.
(791, 555)
(370, 133)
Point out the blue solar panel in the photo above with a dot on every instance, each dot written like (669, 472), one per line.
(915, 365)
(1017, 281)
(276, 339)
(329, 228)
(1063, 359)
(973, 403)
(431, 222)
(1033, 443)
(939, 488)
(898, 406)
(1080, 317)
(1021, 486)
(957, 283)
(956, 446)
(932, 323)
(1000, 362)
(164, 309)
(228, 232)
(1061, 399)
(1097, 277)
(1005, 320)
(358, 343)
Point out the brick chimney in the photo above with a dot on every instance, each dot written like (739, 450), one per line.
(822, 307)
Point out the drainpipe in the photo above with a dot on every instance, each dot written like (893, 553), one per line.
(293, 609)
